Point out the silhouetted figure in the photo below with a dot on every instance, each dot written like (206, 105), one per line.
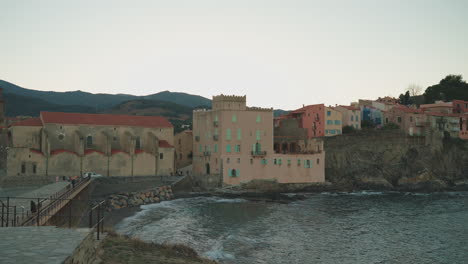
(33, 207)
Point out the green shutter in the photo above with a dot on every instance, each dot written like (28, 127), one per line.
(228, 134)
(259, 118)
(200, 148)
(258, 134)
(229, 172)
(216, 148)
(234, 118)
(228, 148)
(239, 134)
(237, 172)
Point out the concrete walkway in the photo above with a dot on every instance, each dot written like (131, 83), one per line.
(42, 192)
(45, 244)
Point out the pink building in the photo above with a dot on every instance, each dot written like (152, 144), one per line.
(233, 143)
(412, 121)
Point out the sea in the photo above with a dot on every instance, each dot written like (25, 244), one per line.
(357, 227)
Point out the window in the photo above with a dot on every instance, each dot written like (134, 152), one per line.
(332, 131)
(180, 141)
(237, 148)
(328, 113)
(161, 155)
(137, 143)
(264, 161)
(318, 161)
(326, 131)
(352, 118)
(357, 118)
(89, 141)
(239, 134)
(329, 122)
(234, 118)
(289, 161)
(200, 148)
(233, 172)
(279, 162)
(228, 134)
(399, 119)
(274, 161)
(23, 168)
(228, 148)
(215, 148)
(251, 161)
(337, 122)
(216, 132)
(216, 118)
(259, 118)
(61, 136)
(34, 168)
(299, 162)
(238, 160)
(258, 134)
(411, 119)
(228, 160)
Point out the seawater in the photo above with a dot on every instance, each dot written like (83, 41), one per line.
(362, 227)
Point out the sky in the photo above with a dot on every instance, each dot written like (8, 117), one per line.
(281, 54)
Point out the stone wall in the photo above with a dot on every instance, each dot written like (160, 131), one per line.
(390, 159)
(85, 252)
(131, 199)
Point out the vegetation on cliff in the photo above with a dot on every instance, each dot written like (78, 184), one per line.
(117, 249)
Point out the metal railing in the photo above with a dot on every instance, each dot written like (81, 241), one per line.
(258, 153)
(41, 209)
(99, 225)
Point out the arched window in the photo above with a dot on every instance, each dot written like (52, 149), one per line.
(137, 143)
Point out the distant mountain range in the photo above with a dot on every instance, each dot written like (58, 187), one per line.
(173, 105)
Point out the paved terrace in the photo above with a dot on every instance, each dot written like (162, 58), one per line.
(42, 192)
(45, 244)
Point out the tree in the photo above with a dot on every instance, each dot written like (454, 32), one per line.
(348, 129)
(405, 99)
(367, 124)
(414, 90)
(450, 88)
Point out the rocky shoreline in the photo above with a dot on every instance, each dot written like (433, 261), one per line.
(135, 199)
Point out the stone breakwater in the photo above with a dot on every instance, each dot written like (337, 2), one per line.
(132, 199)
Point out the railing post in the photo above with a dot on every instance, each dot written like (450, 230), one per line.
(3, 209)
(14, 216)
(70, 214)
(7, 210)
(98, 217)
(37, 212)
(102, 219)
(91, 218)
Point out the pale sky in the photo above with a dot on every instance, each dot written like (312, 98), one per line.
(280, 54)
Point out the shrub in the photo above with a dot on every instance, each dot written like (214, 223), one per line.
(348, 130)
(390, 125)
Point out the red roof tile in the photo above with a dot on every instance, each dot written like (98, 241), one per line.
(350, 107)
(36, 151)
(443, 114)
(89, 151)
(164, 144)
(36, 121)
(104, 119)
(58, 151)
(409, 110)
(115, 151)
(138, 151)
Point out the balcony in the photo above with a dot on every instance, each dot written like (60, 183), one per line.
(258, 153)
(457, 129)
(215, 123)
(206, 153)
(197, 138)
(215, 137)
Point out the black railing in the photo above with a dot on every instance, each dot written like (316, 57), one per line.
(258, 153)
(99, 225)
